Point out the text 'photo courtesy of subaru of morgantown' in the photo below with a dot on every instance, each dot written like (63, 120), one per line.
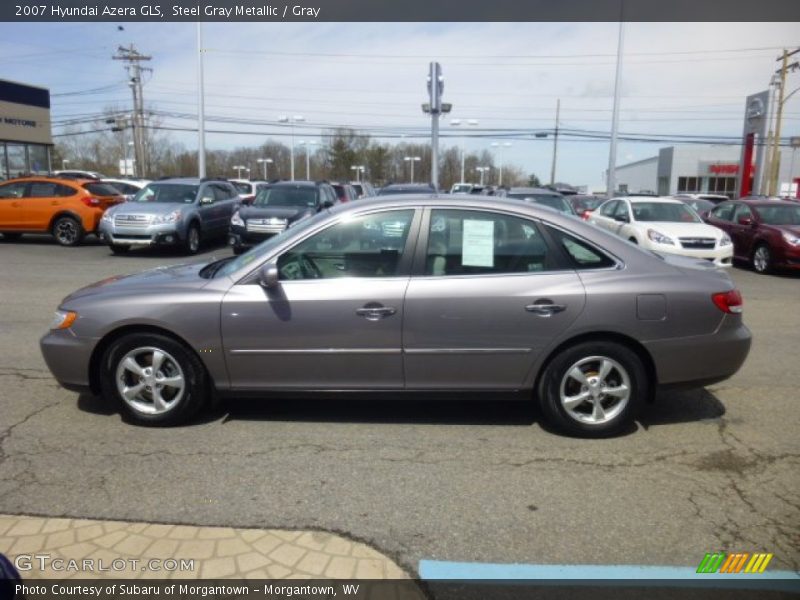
(410, 294)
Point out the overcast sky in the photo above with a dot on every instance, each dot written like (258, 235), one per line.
(678, 78)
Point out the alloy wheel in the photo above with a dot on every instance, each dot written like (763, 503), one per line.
(761, 259)
(67, 232)
(595, 390)
(150, 380)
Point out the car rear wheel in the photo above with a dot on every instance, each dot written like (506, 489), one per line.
(192, 243)
(68, 231)
(119, 248)
(762, 259)
(154, 379)
(593, 389)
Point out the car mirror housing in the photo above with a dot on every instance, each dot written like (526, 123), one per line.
(327, 204)
(268, 277)
(206, 200)
(745, 221)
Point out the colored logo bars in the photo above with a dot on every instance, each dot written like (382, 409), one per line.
(735, 562)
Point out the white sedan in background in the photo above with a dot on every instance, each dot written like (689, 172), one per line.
(664, 225)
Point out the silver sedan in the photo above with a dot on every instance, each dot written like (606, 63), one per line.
(405, 295)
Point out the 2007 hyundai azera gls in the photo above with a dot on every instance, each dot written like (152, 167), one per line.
(410, 294)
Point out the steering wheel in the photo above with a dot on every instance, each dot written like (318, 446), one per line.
(309, 268)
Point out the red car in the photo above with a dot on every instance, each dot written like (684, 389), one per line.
(765, 233)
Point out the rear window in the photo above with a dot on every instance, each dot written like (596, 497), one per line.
(100, 189)
(242, 187)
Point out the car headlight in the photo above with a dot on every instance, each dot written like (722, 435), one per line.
(790, 238)
(237, 220)
(725, 240)
(659, 238)
(107, 216)
(63, 319)
(175, 215)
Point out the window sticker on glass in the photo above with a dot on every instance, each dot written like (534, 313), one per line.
(477, 245)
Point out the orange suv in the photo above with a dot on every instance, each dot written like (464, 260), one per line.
(66, 208)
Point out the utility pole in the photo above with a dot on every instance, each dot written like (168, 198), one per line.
(201, 108)
(435, 107)
(555, 144)
(133, 57)
(775, 157)
(611, 182)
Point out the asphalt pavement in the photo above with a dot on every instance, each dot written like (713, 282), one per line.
(705, 470)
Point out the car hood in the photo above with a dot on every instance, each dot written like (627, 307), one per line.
(676, 230)
(268, 212)
(146, 208)
(162, 279)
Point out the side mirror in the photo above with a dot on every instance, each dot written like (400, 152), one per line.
(268, 278)
(621, 218)
(745, 221)
(327, 204)
(206, 200)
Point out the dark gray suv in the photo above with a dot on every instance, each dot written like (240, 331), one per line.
(177, 212)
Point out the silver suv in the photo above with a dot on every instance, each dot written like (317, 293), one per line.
(176, 212)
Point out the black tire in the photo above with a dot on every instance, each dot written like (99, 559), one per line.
(762, 259)
(11, 237)
(178, 360)
(633, 241)
(68, 231)
(119, 248)
(581, 420)
(191, 244)
(237, 250)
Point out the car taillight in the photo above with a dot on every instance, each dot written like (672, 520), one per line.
(728, 302)
(88, 201)
(585, 215)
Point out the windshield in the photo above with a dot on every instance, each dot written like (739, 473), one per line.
(287, 196)
(556, 202)
(779, 214)
(167, 192)
(587, 203)
(664, 212)
(268, 245)
(457, 189)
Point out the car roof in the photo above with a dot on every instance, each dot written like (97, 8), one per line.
(62, 180)
(296, 183)
(532, 190)
(656, 199)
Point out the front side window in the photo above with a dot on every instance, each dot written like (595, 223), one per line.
(607, 210)
(622, 210)
(367, 246)
(723, 212)
(471, 243)
(742, 212)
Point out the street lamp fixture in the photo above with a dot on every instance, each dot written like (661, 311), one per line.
(458, 123)
(412, 160)
(239, 169)
(291, 120)
(482, 170)
(264, 162)
(64, 163)
(501, 147)
(359, 169)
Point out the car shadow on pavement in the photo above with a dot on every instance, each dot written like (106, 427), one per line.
(673, 407)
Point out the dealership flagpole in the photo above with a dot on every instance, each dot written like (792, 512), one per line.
(201, 116)
(611, 183)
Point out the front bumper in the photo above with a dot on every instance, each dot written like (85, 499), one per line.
(68, 357)
(721, 256)
(238, 237)
(151, 235)
(787, 257)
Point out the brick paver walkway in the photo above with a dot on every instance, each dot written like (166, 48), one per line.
(117, 549)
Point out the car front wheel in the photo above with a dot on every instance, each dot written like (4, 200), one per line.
(762, 259)
(154, 379)
(192, 243)
(593, 389)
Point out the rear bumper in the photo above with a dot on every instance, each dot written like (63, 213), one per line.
(68, 357)
(701, 360)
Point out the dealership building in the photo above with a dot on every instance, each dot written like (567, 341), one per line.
(25, 135)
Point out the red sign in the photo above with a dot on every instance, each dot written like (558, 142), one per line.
(730, 169)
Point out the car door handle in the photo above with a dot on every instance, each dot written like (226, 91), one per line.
(375, 313)
(544, 309)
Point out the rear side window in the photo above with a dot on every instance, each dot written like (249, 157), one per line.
(12, 190)
(581, 255)
(100, 189)
(43, 189)
(475, 243)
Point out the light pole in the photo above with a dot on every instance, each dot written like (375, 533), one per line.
(501, 146)
(264, 162)
(291, 120)
(130, 166)
(239, 169)
(359, 169)
(482, 170)
(412, 160)
(307, 146)
(64, 163)
(457, 123)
